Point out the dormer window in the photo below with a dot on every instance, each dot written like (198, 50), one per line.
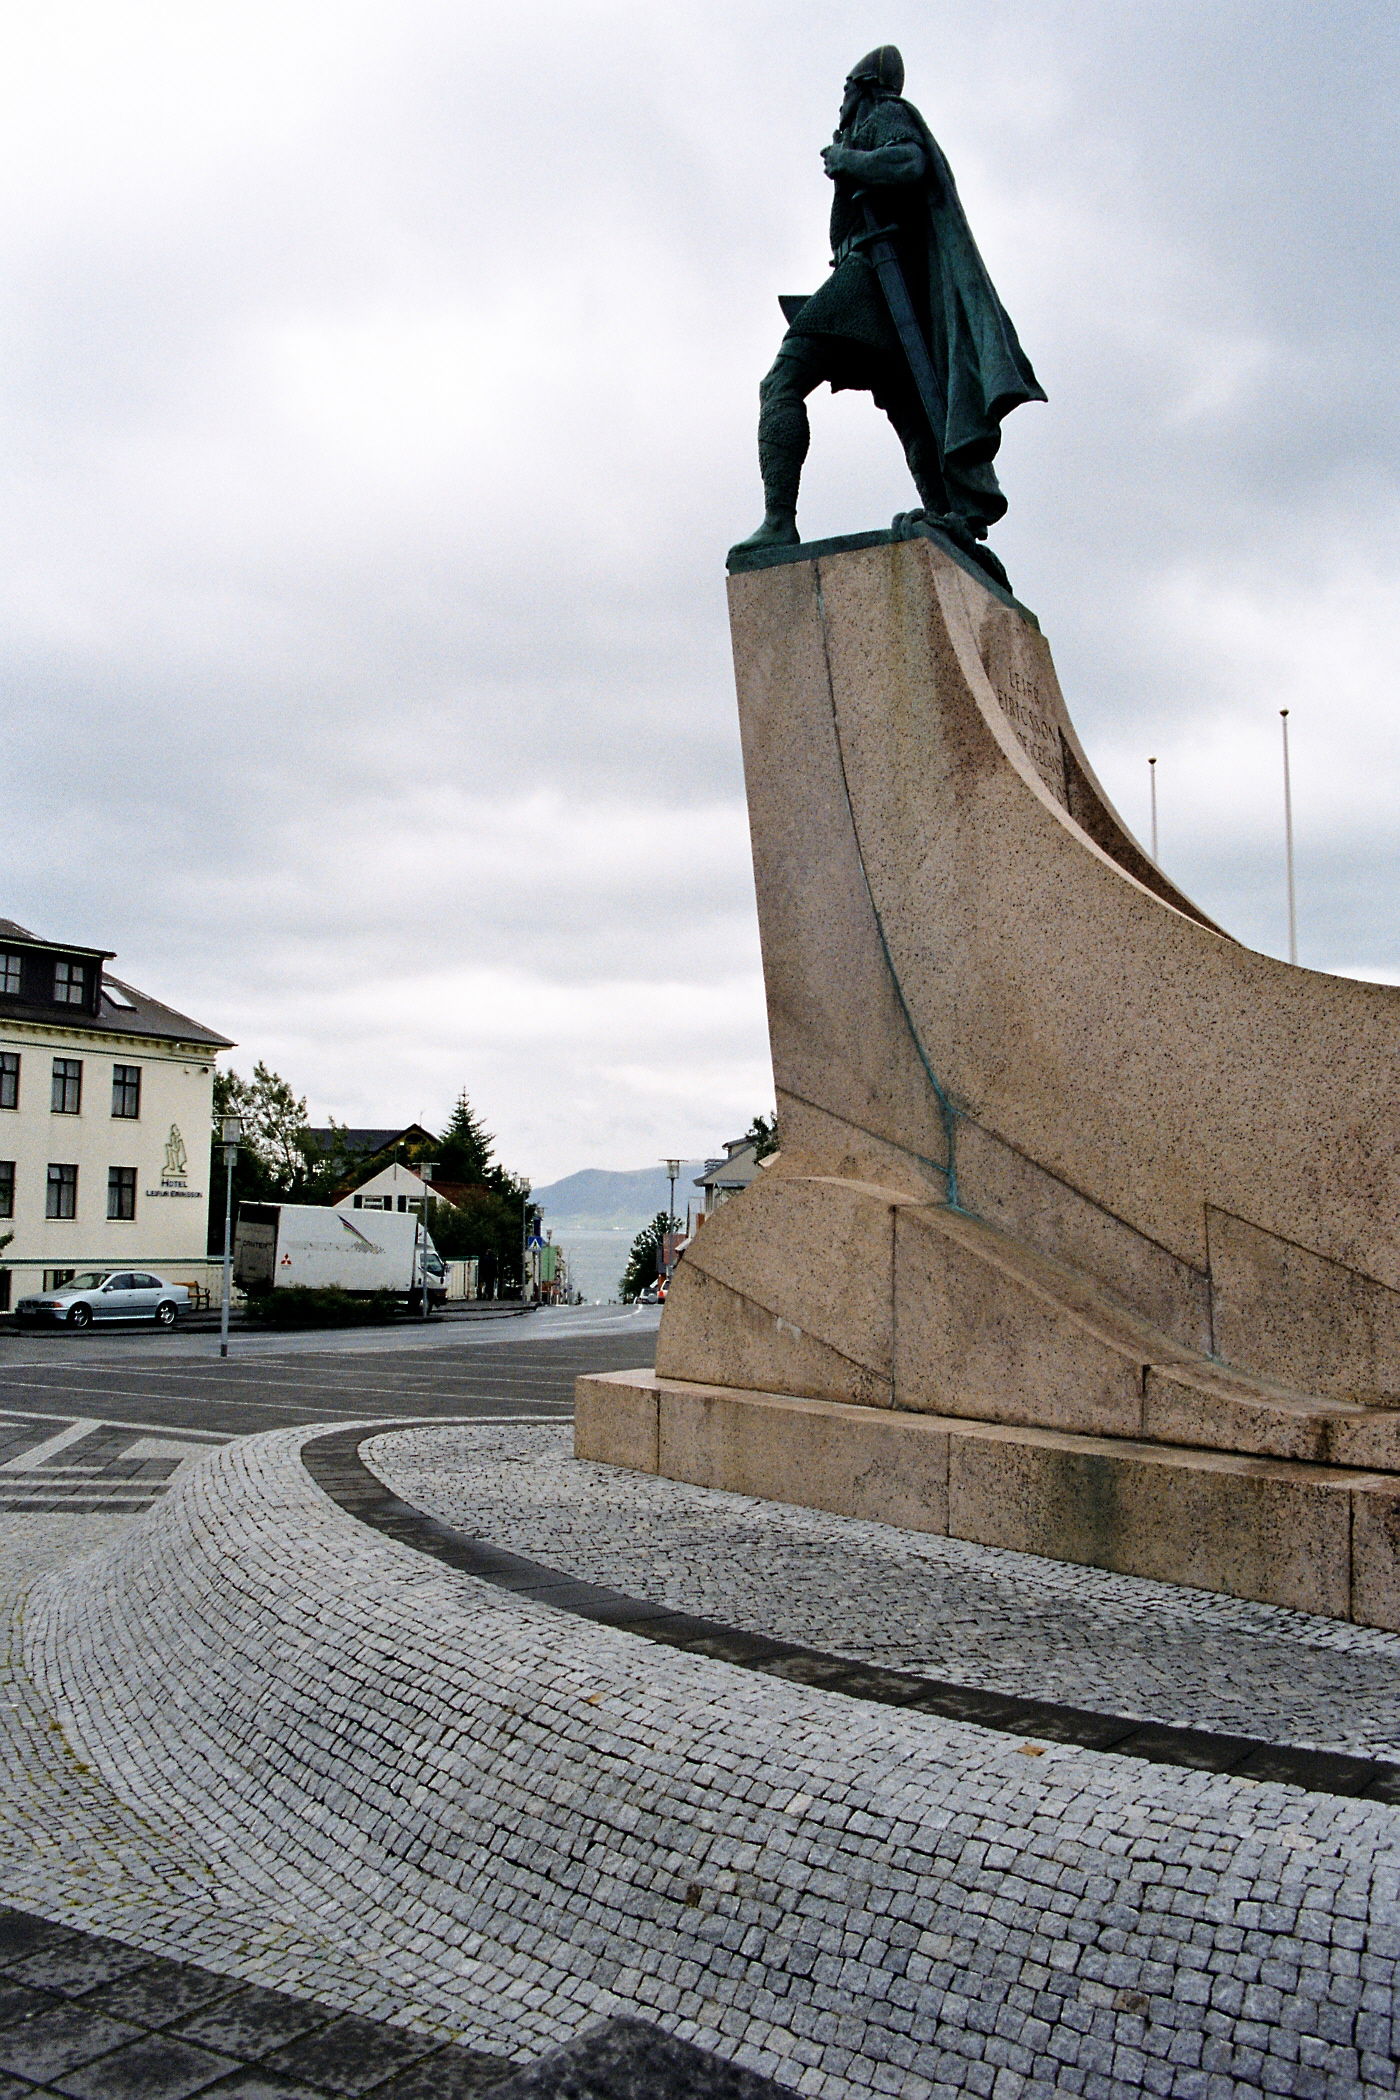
(70, 983)
(10, 975)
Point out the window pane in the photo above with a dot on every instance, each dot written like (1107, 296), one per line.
(7, 1188)
(70, 983)
(61, 1196)
(126, 1090)
(121, 1192)
(9, 1079)
(10, 974)
(67, 1086)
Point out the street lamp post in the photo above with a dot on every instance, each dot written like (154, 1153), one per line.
(230, 1137)
(1288, 843)
(673, 1169)
(427, 1168)
(531, 1219)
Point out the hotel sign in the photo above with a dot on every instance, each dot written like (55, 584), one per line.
(174, 1175)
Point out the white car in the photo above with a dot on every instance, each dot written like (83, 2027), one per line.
(107, 1294)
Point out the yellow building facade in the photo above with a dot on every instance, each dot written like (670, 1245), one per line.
(106, 1097)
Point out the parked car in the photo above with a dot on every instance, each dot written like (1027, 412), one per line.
(107, 1294)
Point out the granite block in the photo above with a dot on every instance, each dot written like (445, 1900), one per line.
(1249, 1527)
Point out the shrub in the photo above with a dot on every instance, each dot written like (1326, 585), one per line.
(299, 1306)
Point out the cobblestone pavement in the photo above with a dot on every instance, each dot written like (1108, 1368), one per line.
(941, 1607)
(83, 2018)
(82, 1467)
(71, 1485)
(93, 1427)
(255, 1734)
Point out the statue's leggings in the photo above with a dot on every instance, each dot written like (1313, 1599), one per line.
(802, 365)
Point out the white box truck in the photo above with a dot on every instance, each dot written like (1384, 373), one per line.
(283, 1245)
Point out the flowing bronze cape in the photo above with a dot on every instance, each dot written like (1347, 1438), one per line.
(983, 370)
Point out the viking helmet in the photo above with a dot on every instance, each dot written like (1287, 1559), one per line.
(882, 68)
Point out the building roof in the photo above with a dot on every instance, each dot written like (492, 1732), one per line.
(735, 1171)
(122, 1009)
(367, 1144)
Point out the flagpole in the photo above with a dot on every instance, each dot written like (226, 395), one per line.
(1288, 843)
(1152, 776)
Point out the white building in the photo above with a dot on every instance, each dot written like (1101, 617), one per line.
(724, 1178)
(105, 1105)
(395, 1187)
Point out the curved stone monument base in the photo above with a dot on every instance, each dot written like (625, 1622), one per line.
(1085, 1233)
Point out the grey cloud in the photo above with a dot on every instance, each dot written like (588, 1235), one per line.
(380, 408)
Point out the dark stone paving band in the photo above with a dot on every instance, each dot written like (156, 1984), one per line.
(87, 2018)
(334, 1463)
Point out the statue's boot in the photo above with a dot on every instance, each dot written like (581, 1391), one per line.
(784, 435)
(779, 529)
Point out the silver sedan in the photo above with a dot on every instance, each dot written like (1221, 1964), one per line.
(107, 1294)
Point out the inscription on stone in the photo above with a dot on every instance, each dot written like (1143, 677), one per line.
(1038, 732)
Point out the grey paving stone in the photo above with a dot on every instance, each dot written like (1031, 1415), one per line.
(350, 2056)
(52, 2043)
(260, 2085)
(77, 1966)
(22, 1935)
(20, 2001)
(391, 1788)
(630, 2060)
(159, 1993)
(938, 1605)
(448, 2074)
(157, 2067)
(252, 2022)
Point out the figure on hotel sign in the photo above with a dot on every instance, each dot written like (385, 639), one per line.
(177, 1164)
(908, 315)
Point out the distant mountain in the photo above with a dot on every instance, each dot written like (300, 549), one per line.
(598, 1199)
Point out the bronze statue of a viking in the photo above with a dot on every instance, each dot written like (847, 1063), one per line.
(908, 314)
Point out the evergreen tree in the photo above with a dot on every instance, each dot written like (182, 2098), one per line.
(485, 1221)
(465, 1149)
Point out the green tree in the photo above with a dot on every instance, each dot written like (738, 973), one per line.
(485, 1220)
(278, 1159)
(762, 1134)
(644, 1261)
(465, 1151)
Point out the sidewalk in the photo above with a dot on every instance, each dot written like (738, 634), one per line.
(262, 1734)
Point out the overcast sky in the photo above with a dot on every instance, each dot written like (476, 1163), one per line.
(377, 382)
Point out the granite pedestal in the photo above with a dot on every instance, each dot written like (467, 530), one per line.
(1084, 1237)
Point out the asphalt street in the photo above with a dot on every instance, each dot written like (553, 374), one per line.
(98, 1423)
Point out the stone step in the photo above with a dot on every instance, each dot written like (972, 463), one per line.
(1314, 1538)
(1182, 1397)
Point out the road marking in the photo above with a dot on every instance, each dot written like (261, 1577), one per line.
(37, 1454)
(297, 1408)
(212, 1436)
